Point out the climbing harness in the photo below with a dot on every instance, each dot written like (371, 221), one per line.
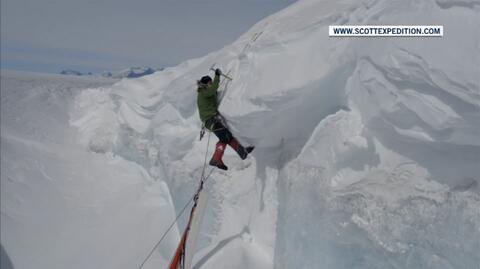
(225, 82)
(178, 261)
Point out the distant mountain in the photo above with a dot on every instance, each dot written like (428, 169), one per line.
(71, 72)
(132, 72)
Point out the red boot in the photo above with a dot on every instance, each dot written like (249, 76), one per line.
(242, 152)
(217, 156)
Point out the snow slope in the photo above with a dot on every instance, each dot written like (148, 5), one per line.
(61, 206)
(367, 152)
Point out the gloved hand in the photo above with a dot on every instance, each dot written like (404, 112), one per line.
(218, 72)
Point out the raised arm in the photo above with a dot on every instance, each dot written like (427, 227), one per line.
(212, 90)
(216, 82)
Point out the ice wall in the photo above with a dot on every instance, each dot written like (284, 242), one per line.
(367, 149)
(63, 206)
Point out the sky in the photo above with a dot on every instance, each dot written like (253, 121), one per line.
(98, 35)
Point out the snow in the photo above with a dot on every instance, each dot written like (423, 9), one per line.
(367, 151)
(62, 206)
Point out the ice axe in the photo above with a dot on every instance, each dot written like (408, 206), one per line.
(223, 75)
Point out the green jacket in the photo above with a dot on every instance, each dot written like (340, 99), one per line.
(207, 100)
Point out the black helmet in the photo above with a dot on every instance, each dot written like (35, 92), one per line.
(205, 80)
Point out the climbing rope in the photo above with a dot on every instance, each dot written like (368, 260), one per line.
(205, 158)
(165, 234)
(193, 198)
(203, 179)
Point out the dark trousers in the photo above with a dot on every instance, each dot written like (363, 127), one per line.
(216, 125)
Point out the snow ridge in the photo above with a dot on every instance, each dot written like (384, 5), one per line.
(359, 141)
(366, 152)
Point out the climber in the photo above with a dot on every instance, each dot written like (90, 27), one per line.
(213, 121)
